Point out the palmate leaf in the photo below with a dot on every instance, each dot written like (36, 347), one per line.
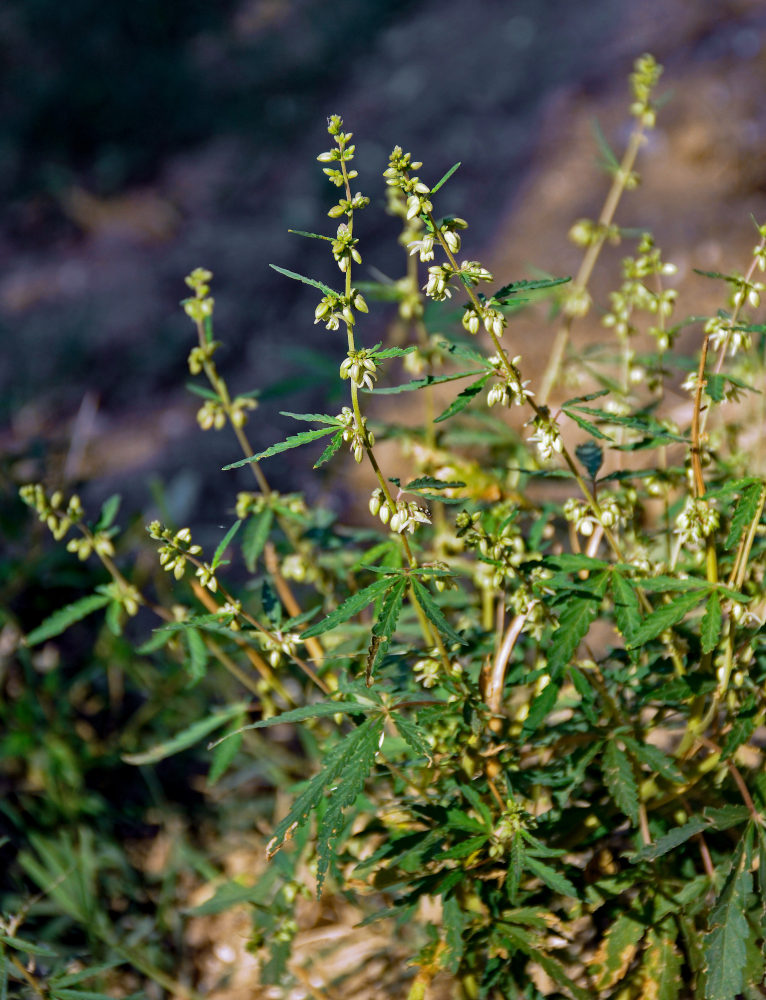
(531, 946)
(433, 612)
(350, 607)
(725, 946)
(330, 450)
(306, 281)
(415, 737)
(742, 728)
(575, 617)
(60, 620)
(620, 780)
(527, 285)
(294, 441)
(255, 535)
(319, 710)
(385, 624)
(429, 483)
(710, 819)
(421, 383)
(627, 609)
(664, 617)
(552, 878)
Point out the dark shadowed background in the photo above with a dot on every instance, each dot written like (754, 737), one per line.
(142, 138)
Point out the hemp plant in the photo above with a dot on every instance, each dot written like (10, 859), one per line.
(535, 680)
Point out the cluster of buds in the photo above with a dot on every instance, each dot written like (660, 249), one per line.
(722, 331)
(576, 302)
(347, 206)
(212, 413)
(437, 286)
(344, 248)
(414, 190)
(633, 295)
(52, 512)
(255, 503)
(448, 229)
(547, 436)
(279, 646)
(696, 522)
(342, 152)
(643, 80)
(501, 552)
(585, 232)
(429, 669)
(176, 550)
(746, 291)
(425, 357)
(200, 307)
(200, 355)
(126, 595)
(759, 251)
(296, 566)
(522, 601)
(334, 308)
(510, 389)
(358, 438)
(581, 514)
(511, 822)
(100, 543)
(406, 515)
(360, 367)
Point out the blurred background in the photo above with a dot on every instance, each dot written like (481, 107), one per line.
(142, 138)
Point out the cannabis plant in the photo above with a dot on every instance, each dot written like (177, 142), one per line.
(530, 688)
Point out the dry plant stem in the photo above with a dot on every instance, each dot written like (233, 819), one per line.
(27, 976)
(621, 176)
(493, 694)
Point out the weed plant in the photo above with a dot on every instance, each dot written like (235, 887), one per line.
(530, 690)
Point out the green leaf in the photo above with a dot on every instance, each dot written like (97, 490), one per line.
(553, 879)
(74, 978)
(611, 163)
(715, 386)
(197, 655)
(225, 751)
(313, 418)
(330, 450)
(224, 543)
(527, 285)
(67, 994)
(617, 950)
(108, 513)
(465, 847)
(28, 947)
(591, 456)
(627, 609)
(385, 624)
(433, 612)
(202, 390)
(429, 483)
(415, 737)
(620, 780)
(294, 441)
(742, 728)
(60, 620)
(187, 737)
(575, 618)
(725, 946)
(461, 401)
(664, 617)
(710, 629)
(553, 969)
(445, 178)
(540, 708)
(421, 383)
(319, 710)
(306, 281)
(746, 510)
(255, 535)
(587, 426)
(670, 840)
(350, 607)
(654, 758)
(313, 236)
(455, 921)
(393, 352)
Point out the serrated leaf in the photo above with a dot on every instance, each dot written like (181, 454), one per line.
(187, 737)
(202, 390)
(385, 624)
(574, 619)
(60, 620)
(108, 513)
(222, 545)
(664, 617)
(661, 965)
(552, 878)
(197, 661)
(319, 710)
(313, 236)
(225, 751)
(330, 450)
(470, 793)
(725, 946)
(715, 386)
(742, 728)
(587, 426)
(433, 612)
(255, 536)
(527, 285)
(294, 441)
(28, 947)
(744, 512)
(717, 819)
(620, 780)
(465, 847)
(553, 969)
(421, 383)
(443, 180)
(627, 609)
(350, 607)
(429, 483)
(617, 950)
(393, 352)
(312, 418)
(541, 707)
(710, 629)
(415, 737)
(654, 758)
(74, 978)
(454, 920)
(461, 401)
(306, 281)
